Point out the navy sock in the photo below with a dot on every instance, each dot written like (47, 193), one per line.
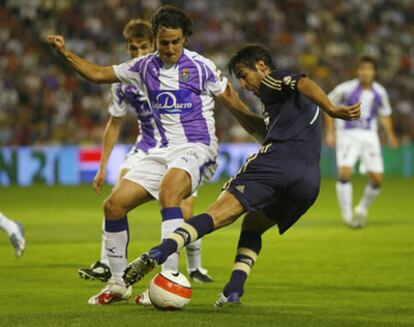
(198, 227)
(171, 213)
(248, 249)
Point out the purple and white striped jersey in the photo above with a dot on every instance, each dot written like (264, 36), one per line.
(129, 96)
(374, 102)
(181, 96)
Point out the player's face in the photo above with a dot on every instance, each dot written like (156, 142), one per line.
(170, 44)
(249, 79)
(366, 72)
(139, 47)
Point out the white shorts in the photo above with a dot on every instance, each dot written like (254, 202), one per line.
(197, 159)
(132, 159)
(354, 145)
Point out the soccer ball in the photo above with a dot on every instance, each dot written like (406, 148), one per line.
(170, 290)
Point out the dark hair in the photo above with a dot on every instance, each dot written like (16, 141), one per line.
(137, 28)
(171, 17)
(368, 59)
(249, 56)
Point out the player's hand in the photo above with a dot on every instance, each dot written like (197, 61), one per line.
(330, 140)
(57, 42)
(347, 112)
(392, 141)
(99, 180)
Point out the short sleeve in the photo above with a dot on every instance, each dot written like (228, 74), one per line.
(129, 71)
(215, 83)
(337, 94)
(385, 108)
(279, 85)
(118, 105)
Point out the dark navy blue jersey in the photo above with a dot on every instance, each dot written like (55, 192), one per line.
(286, 111)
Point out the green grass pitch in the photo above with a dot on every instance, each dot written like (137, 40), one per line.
(319, 274)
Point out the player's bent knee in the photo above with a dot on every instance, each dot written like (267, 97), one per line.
(168, 197)
(345, 174)
(376, 182)
(113, 210)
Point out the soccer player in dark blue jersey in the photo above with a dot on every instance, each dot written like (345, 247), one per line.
(276, 185)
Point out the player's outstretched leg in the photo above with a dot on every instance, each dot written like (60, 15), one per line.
(15, 232)
(371, 191)
(225, 210)
(248, 249)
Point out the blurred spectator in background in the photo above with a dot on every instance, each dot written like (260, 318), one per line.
(41, 104)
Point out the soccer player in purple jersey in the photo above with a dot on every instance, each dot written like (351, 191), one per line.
(359, 140)
(181, 87)
(139, 42)
(276, 185)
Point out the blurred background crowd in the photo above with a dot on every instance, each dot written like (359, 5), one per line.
(42, 102)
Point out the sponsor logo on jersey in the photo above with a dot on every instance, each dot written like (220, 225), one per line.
(171, 102)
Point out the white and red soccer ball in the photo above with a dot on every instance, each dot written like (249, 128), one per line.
(170, 290)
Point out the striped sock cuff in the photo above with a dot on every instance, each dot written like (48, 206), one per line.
(245, 260)
(184, 235)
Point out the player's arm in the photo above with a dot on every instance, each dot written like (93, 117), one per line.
(88, 70)
(386, 122)
(329, 130)
(336, 96)
(385, 119)
(252, 123)
(110, 137)
(311, 90)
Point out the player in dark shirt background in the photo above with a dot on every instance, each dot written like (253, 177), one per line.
(276, 185)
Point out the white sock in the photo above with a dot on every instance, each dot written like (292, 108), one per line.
(104, 256)
(370, 193)
(167, 227)
(8, 225)
(344, 193)
(193, 251)
(116, 245)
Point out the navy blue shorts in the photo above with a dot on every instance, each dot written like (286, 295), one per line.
(282, 179)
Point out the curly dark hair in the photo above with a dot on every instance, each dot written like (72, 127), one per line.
(171, 17)
(249, 56)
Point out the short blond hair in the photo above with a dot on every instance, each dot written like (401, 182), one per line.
(137, 28)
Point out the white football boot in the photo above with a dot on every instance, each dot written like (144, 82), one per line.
(112, 293)
(350, 221)
(361, 215)
(17, 239)
(143, 298)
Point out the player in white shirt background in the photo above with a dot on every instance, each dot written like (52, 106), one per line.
(181, 87)
(139, 42)
(15, 232)
(359, 140)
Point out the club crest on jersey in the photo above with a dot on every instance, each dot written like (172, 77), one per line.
(184, 75)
